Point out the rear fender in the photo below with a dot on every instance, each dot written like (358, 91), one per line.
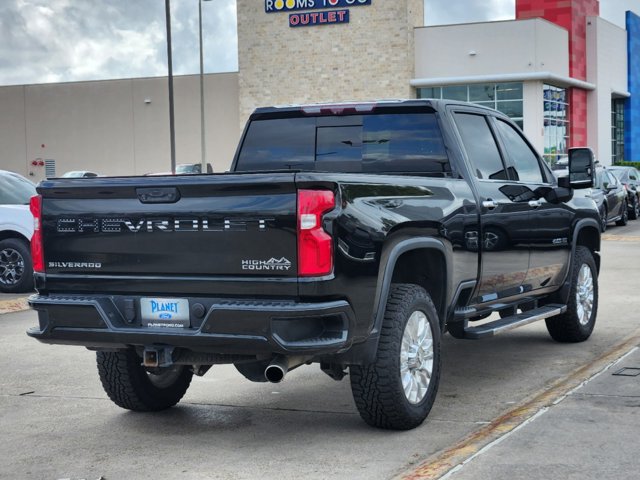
(365, 353)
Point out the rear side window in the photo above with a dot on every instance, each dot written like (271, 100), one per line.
(15, 190)
(481, 146)
(378, 143)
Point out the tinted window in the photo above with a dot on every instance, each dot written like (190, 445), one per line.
(359, 143)
(403, 143)
(15, 190)
(284, 143)
(620, 174)
(481, 146)
(339, 148)
(525, 161)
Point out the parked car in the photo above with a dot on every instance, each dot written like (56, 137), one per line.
(630, 179)
(614, 207)
(16, 230)
(192, 169)
(183, 169)
(608, 195)
(80, 174)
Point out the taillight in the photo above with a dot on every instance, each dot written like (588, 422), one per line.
(315, 246)
(37, 251)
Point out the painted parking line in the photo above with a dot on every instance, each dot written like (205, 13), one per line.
(620, 238)
(453, 458)
(13, 306)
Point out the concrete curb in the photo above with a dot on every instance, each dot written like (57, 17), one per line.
(442, 463)
(13, 306)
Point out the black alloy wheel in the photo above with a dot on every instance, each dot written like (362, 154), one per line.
(16, 270)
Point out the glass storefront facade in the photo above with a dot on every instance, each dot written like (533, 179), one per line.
(556, 123)
(504, 97)
(617, 131)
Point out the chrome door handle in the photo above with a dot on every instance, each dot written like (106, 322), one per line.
(490, 204)
(535, 203)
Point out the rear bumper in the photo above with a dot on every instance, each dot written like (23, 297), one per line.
(223, 326)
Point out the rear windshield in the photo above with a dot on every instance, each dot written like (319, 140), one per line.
(15, 190)
(622, 175)
(384, 143)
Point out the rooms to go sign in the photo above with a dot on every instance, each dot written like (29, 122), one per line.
(274, 6)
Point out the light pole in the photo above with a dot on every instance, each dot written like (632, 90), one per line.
(203, 144)
(172, 130)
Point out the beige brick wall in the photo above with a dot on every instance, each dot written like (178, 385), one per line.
(108, 127)
(372, 57)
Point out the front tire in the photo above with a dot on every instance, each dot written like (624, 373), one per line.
(397, 391)
(577, 323)
(129, 385)
(604, 219)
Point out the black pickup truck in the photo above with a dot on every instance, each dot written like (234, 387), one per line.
(352, 236)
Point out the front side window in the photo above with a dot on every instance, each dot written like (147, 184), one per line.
(524, 160)
(15, 190)
(601, 179)
(481, 146)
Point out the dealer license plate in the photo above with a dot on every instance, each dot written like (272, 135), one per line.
(165, 312)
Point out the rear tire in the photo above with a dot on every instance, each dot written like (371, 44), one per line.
(577, 323)
(129, 385)
(397, 391)
(634, 213)
(16, 269)
(625, 216)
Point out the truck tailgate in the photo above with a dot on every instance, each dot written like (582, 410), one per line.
(225, 225)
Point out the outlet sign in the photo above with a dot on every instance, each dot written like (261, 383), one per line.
(310, 19)
(275, 6)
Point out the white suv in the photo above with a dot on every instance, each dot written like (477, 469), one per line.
(16, 229)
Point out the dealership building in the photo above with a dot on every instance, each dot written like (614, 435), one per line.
(564, 74)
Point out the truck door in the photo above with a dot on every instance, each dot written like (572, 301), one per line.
(549, 233)
(504, 252)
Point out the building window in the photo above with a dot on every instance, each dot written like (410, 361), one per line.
(504, 97)
(556, 123)
(617, 131)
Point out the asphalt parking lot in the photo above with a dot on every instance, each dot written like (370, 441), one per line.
(58, 423)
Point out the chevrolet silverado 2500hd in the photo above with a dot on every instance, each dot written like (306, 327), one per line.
(352, 236)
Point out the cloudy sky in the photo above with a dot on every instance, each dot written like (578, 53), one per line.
(45, 41)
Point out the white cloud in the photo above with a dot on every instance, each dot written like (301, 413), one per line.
(445, 12)
(60, 40)
(69, 40)
(614, 10)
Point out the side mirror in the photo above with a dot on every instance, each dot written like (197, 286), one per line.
(581, 168)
